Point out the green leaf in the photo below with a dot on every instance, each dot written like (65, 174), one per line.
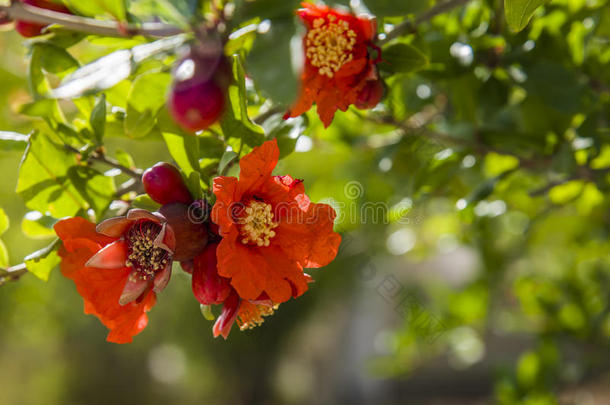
(401, 58)
(4, 221)
(145, 202)
(13, 141)
(51, 182)
(270, 62)
(185, 151)
(111, 69)
(4, 261)
(124, 158)
(206, 311)
(519, 12)
(382, 8)
(43, 261)
(36, 225)
(193, 183)
(98, 119)
(235, 122)
(145, 99)
(228, 157)
(115, 8)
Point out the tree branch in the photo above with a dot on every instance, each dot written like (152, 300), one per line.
(411, 25)
(99, 157)
(12, 273)
(21, 11)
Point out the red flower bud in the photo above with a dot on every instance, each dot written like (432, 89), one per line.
(164, 184)
(29, 29)
(198, 94)
(209, 287)
(370, 95)
(191, 232)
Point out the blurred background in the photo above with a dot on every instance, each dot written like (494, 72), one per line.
(474, 268)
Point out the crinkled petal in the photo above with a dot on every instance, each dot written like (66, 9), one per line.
(256, 166)
(255, 270)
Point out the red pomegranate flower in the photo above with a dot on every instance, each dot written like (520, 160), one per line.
(337, 60)
(247, 314)
(118, 267)
(270, 230)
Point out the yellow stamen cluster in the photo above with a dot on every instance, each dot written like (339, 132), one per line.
(328, 46)
(257, 224)
(254, 318)
(143, 256)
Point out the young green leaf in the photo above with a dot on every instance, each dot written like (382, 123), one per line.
(402, 58)
(43, 261)
(145, 99)
(12, 141)
(51, 182)
(98, 119)
(111, 69)
(519, 12)
(270, 62)
(235, 121)
(185, 151)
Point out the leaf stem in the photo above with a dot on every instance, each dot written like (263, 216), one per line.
(21, 11)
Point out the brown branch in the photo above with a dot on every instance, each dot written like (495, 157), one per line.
(12, 273)
(108, 161)
(411, 25)
(21, 11)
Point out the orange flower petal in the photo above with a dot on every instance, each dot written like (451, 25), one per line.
(256, 166)
(254, 270)
(311, 240)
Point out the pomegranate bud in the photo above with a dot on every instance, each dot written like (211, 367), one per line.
(164, 184)
(191, 234)
(209, 287)
(370, 95)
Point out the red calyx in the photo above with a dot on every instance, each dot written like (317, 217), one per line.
(208, 286)
(164, 184)
(198, 95)
(29, 29)
(370, 95)
(191, 232)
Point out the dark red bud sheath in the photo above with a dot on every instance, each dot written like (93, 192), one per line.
(209, 287)
(191, 233)
(164, 184)
(370, 95)
(29, 29)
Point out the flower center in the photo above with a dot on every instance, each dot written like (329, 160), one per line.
(143, 256)
(328, 46)
(257, 224)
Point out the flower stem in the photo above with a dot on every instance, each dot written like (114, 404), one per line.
(21, 11)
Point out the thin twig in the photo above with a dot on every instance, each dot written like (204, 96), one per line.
(12, 273)
(410, 25)
(99, 157)
(21, 11)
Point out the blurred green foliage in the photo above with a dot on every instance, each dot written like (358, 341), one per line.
(480, 187)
